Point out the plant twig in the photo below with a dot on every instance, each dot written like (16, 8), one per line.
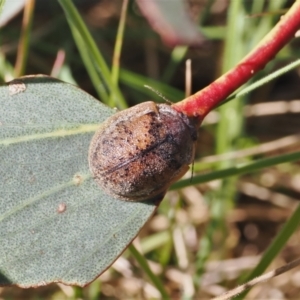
(234, 292)
(58, 63)
(24, 39)
(198, 105)
(188, 77)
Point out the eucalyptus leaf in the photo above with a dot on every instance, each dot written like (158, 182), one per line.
(9, 9)
(56, 224)
(171, 19)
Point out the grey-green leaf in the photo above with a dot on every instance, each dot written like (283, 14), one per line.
(56, 225)
(8, 9)
(172, 20)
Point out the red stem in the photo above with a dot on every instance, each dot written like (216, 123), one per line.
(200, 104)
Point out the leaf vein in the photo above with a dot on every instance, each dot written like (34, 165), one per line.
(53, 134)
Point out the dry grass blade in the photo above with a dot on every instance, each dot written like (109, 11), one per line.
(260, 149)
(260, 110)
(262, 278)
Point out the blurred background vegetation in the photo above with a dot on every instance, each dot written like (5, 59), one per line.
(204, 239)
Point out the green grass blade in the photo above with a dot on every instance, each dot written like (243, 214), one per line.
(76, 21)
(177, 55)
(137, 82)
(264, 80)
(277, 245)
(144, 265)
(1, 5)
(90, 67)
(118, 44)
(238, 170)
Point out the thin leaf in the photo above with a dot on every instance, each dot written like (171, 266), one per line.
(24, 41)
(118, 44)
(76, 23)
(143, 263)
(239, 169)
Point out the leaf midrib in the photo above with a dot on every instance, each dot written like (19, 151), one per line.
(52, 134)
(40, 196)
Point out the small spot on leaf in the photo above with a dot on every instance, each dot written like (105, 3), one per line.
(61, 208)
(78, 179)
(16, 87)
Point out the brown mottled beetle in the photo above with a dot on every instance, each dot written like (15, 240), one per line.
(139, 152)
